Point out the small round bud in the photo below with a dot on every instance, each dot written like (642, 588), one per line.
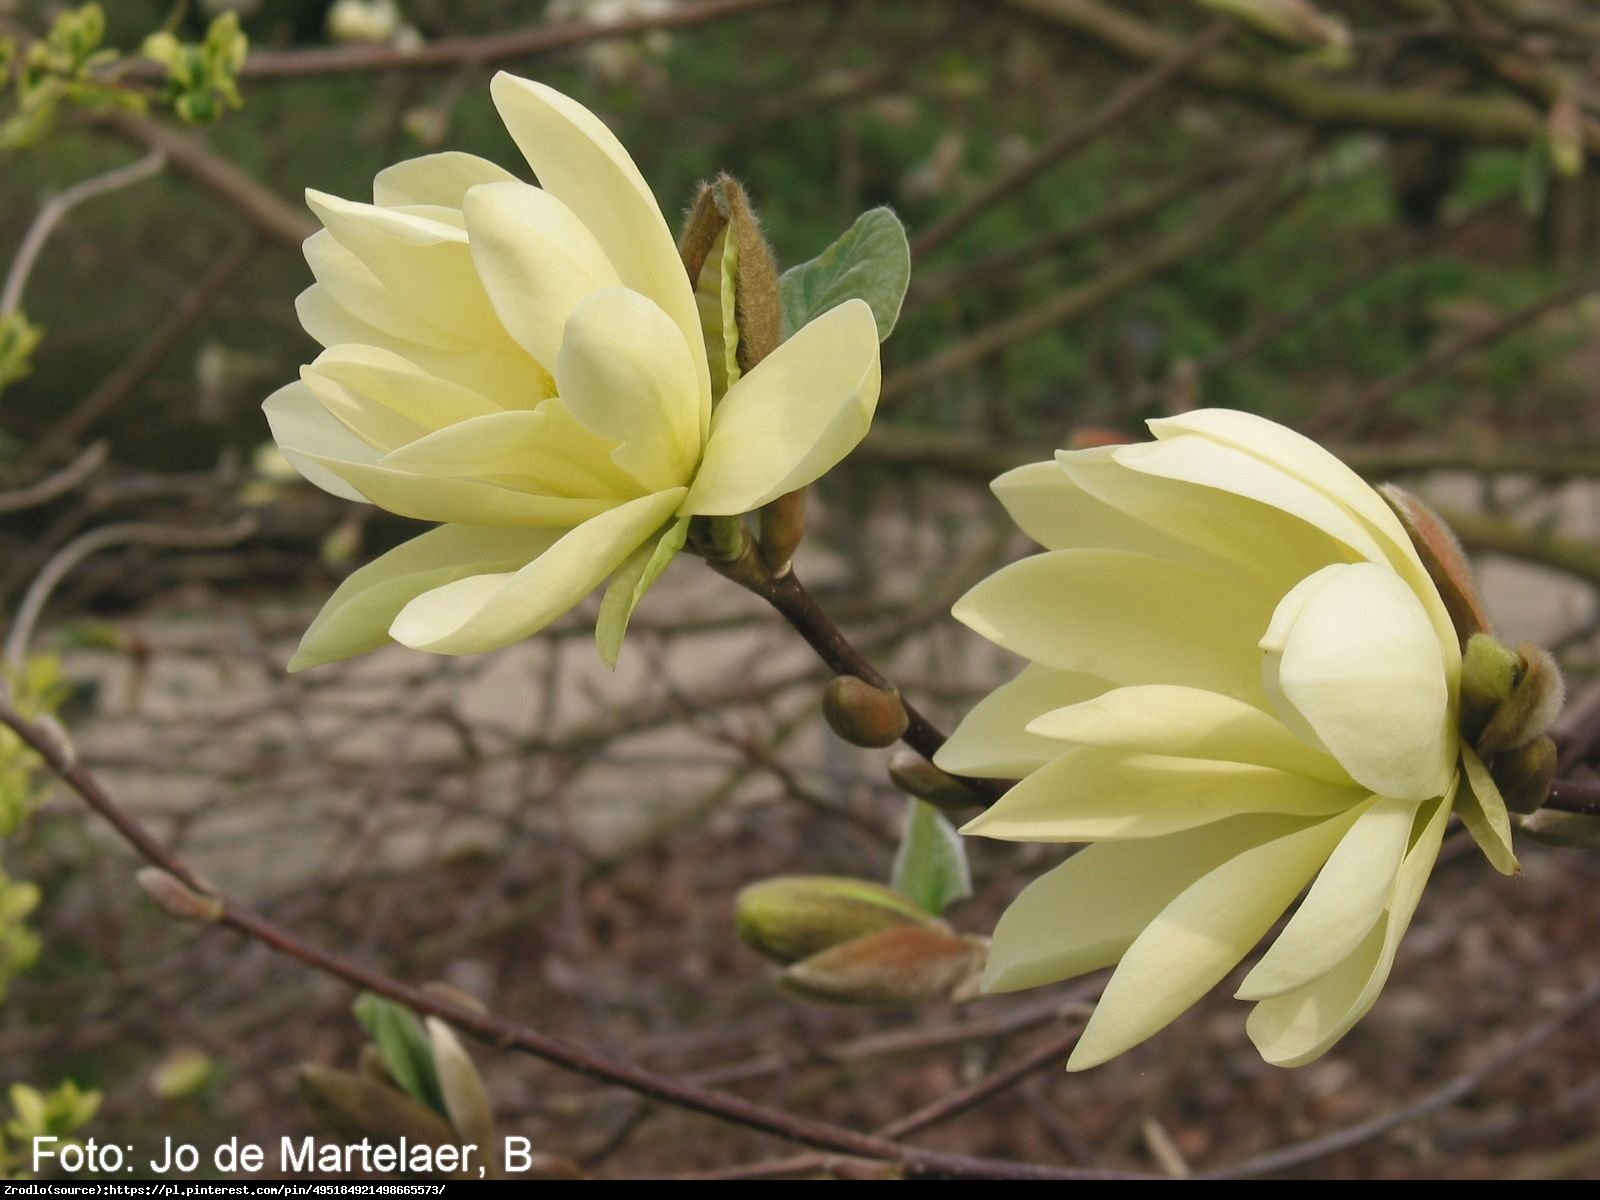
(864, 715)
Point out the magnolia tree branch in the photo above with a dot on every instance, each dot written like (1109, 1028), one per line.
(185, 892)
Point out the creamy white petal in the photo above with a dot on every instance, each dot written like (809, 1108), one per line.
(992, 739)
(486, 612)
(1483, 811)
(1090, 794)
(1361, 664)
(582, 163)
(1200, 937)
(626, 374)
(1292, 453)
(535, 451)
(1245, 537)
(802, 409)
(356, 617)
(350, 282)
(537, 260)
(297, 419)
(1127, 618)
(1300, 1026)
(387, 400)
(1084, 914)
(1054, 510)
(426, 264)
(1187, 723)
(1350, 894)
(436, 179)
(511, 380)
(1298, 455)
(1213, 465)
(448, 500)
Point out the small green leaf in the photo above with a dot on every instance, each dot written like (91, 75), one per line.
(627, 587)
(871, 261)
(931, 864)
(403, 1044)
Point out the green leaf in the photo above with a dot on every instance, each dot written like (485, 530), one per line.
(931, 864)
(627, 587)
(871, 262)
(403, 1046)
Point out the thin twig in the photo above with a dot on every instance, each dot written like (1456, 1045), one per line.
(56, 208)
(59, 483)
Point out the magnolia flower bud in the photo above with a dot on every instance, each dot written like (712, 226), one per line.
(864, 715)
(914, 964)
(794, 917)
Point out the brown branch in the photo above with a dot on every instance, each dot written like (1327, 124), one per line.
(1575, 796)
(1132, 97)
(498, 1031)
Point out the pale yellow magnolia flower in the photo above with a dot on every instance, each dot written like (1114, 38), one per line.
(525, 366)
(1243, 682)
